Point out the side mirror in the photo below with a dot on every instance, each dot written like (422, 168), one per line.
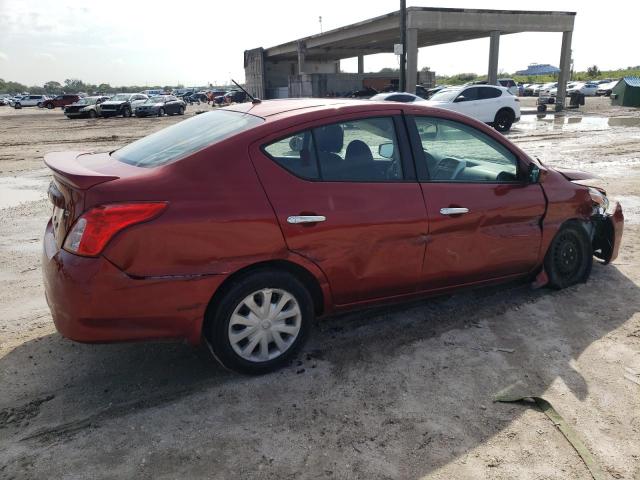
(459, 98)
(534, 173)
(385, 150)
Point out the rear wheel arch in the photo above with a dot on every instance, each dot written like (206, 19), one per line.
(304, 276)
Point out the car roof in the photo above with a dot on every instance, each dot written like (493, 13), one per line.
(268, 108)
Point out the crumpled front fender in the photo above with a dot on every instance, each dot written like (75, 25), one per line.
(608, 234)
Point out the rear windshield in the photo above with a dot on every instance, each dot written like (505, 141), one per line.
(184, 138)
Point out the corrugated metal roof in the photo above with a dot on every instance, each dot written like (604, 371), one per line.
(632, 81)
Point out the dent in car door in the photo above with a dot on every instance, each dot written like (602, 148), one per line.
(367, 235)
(484, 219)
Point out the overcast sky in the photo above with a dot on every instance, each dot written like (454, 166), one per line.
(195, 42)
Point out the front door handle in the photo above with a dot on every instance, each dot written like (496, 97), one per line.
(454, 211)
(306, 219)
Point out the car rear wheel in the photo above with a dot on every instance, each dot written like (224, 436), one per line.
(504, 120)
(92, 114)
(260, 323)
(161, 112)
(17, 106)
(50, 106)
(39, 105)
(569, 258)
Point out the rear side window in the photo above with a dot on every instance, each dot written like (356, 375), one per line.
(469, 94)
(297, 154)
(184, 138)
(489, 92)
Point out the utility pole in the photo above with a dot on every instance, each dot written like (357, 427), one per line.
(403, 41)
(320, 20)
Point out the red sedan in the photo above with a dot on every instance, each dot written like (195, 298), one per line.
(238, 226)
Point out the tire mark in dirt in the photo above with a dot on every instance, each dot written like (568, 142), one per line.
(23, 413)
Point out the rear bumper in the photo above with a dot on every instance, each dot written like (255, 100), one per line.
(93, 301)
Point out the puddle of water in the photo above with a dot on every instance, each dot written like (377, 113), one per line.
(553, 122)
(14, 191)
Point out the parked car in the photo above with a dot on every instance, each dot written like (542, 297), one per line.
(158, 106)
(532, 90)
(432, 91)
(238, 226)
(545, 90)
(510, 84)
(195, 97)
(487, 103)
(587, 89)
(604, 89)
(366, 92)
(397, 97)
(232, 96)
(122, 104)
(86, 107)
(30, 101)
(151, 93)
(60, 101)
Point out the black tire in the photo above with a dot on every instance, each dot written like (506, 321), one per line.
(181, 110)
(50, 106)
(503, 120)
(17, 106)
(542, 108)
(39, 105)
(126, 112)
(92, 114)
(219, 317)
(161, 112)
(569, 258)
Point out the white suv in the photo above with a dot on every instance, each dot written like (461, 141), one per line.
(487, 103)
(30, 101)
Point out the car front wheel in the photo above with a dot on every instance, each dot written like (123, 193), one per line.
(126, 112)
(260, 323)
(569, 258)
(503, 120)
(50, 106)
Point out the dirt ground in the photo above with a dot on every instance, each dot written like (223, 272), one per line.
(396, 392)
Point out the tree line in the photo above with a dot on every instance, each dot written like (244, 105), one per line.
(74, 85)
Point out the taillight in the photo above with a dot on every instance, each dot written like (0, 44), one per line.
(93, 230)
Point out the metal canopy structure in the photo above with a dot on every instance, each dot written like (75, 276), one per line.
(435, 26)
(426, 26)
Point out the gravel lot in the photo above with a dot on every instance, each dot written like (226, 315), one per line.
(397, 392)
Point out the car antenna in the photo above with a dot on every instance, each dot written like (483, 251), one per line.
(254, 100)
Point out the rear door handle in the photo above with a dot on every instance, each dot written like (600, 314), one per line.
(454, 211)
(306, 219)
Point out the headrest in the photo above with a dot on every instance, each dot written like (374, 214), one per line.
(358, 151)
(329, 138)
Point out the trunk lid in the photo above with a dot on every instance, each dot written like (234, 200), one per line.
(73, 174)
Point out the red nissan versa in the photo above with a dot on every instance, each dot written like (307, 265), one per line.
(238, 226)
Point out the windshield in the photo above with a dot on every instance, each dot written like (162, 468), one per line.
(155, 100)
(86, 101)
(186, 137)
(121, 97)
(446, 95)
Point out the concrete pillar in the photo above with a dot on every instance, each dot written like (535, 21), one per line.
(565, 67)
(302, 48)
(360, 63)
(412, 60)
(494, 53)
